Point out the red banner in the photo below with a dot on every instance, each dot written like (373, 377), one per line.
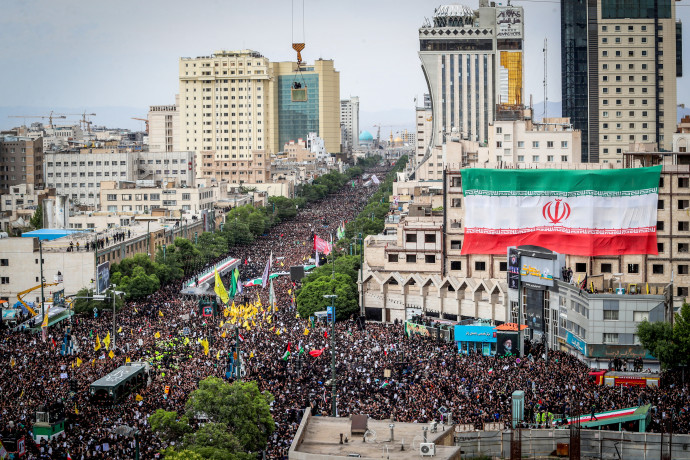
(322, 246)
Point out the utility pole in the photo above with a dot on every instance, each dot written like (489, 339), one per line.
(519, 319)
(238, 374)
(361, 275)
(148, 238)
(112, 294)
(43, 300)
(333, 376)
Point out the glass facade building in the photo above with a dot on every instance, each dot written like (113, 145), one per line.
(296, 119)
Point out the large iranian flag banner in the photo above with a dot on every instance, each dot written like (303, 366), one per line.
(578, 212)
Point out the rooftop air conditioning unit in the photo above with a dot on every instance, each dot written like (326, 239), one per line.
(427, 449)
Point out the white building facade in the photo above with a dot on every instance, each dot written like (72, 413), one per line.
(349, 121)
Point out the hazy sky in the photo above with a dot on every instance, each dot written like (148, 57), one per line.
(78, 53)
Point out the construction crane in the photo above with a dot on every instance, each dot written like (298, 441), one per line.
(49, 117)
(298, 91)
(145, 121)
(84, 123)
(21, 294)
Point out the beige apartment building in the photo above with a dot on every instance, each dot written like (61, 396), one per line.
(292, 118)
(21, 162)
(417, 264)
(129, 197)
(222, 104)
(255, 170)
(164, 127)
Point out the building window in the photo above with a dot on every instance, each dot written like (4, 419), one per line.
(4, 262)
(611, 315)
(683, 182)
(606, 268)
(503, 266)
(455, 265)
(535, 144)
(683, 269)
(660, 204)
(633, 268)
(430, 238)
(4, 280)
(658, 269)
(430, 258)
(580, 267)
(683, 225)
(392, 257)
(455, 244)
(456, 203)
(610, 337)
(411, 258)
(480, 266)
(659, 225)
(411, 238)
(682, 247)
(660, 247)
(682, 291)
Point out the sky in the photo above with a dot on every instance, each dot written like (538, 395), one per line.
(125, 53)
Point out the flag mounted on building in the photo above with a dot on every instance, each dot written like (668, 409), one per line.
(577, 212)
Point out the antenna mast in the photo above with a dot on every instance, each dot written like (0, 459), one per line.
(546, 93)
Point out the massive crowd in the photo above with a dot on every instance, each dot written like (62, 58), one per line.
(426, 375)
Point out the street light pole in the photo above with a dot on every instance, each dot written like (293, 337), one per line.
(112, 294)
(43, 300)
(333, 376)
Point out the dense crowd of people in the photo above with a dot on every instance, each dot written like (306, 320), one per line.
(426, 375)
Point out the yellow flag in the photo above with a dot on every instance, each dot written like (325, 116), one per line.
(278, 332)
(119, 330)
(268, 319)
(251, 355)
(12, 361)
(204, 343)
(20, 396)
(45, 319)
(253, 323)
(79, 362)
(258, 300)
(246, 324)
(157, 335)
(111, 354)
(297, 315)
(186, 340)
(98, 343)
(106, 341)
(135, 310)
(281, 264)
(76, 411)
(306, 331)
(218, 355)
(160, 313)
(138, 397)
(220, 289)
(647, 289)
(226, 312)
(224, 334)
(289, 291)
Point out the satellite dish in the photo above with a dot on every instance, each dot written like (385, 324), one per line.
(370, 436)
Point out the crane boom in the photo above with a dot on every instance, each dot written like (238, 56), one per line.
(26, 291)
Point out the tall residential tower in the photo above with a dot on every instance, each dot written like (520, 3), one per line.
(620, 60)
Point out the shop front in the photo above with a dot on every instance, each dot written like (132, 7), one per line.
(476, 339)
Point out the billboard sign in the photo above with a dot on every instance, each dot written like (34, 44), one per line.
(509, 22)
(507, 344)
(59, 298)
(416, 329)
(513, 268)
(537, 271)
(103, 281)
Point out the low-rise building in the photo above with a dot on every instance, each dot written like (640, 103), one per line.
(253, 170)
(144, 198)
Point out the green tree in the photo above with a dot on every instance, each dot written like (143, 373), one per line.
(311, 297)
(215, 441)
(657, 337)
(257, 223)
(168, 426)
(36, 220)
(241, 406)
(84, 303)
(186, 454)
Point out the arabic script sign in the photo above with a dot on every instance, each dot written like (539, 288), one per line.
(509, 22)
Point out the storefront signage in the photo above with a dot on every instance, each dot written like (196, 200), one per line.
(576, 343)
(509, 22)
(618, 351)
(475, 334)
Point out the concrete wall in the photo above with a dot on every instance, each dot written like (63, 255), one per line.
(593, 444)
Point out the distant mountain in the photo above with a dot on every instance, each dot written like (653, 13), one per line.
(111, 117)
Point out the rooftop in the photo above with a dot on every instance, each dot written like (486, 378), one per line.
(319, 437)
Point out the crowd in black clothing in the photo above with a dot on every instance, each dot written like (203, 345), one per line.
(426, 374)
(100, 243)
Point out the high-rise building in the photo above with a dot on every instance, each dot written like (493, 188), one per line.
(295, 114)
(472, 61)
(619, 61)
(21, 161)
(349, 121)
(164, 127)
(222, 104)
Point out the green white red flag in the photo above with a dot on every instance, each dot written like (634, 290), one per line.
(578, 212)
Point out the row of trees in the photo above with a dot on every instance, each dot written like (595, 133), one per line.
(339, 276)
(138, 276)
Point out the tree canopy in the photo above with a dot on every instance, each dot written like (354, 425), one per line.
(669, 344)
